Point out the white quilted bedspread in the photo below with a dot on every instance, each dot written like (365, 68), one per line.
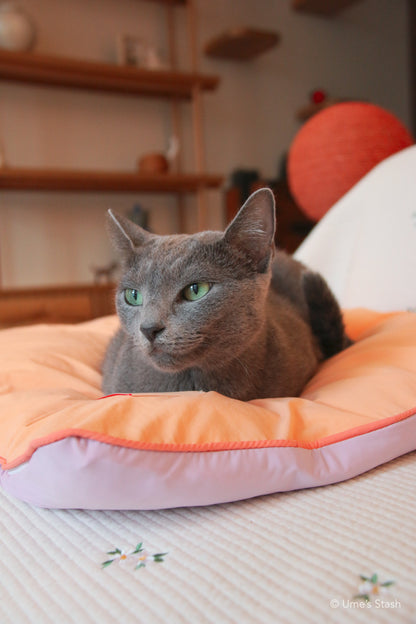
(294, 557)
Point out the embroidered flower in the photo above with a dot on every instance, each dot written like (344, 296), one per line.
(118, 555)
(372, 587)
(139, 556)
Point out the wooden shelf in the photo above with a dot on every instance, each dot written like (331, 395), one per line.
(322, 7)
(89, 75)
(241, 44)
(26, 179)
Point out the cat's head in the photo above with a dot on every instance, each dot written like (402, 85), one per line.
(196, 300)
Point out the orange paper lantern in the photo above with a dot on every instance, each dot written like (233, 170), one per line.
(336, 148)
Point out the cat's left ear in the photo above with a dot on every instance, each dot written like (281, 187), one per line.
(252, 230)
(125, 235)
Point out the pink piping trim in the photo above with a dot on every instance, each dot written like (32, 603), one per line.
(207, 446)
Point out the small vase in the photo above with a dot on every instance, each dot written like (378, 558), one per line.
(17, 30)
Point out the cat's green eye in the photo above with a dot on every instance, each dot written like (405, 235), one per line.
(133, 297)
(196, 291)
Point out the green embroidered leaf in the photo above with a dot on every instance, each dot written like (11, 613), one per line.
(374, 579)
(117, 551)
(365, 597)
(387, 583)
(140, 565)
(364, 578)
(139, 548)
(105, 564)
(159, 557)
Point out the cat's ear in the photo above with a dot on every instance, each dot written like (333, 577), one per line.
(252, 230)
(125, 235)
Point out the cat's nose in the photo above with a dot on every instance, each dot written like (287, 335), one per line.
(151, 331)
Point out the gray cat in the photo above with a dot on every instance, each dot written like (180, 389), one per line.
(219, 311)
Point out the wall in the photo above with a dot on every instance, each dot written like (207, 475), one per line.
(249, 122)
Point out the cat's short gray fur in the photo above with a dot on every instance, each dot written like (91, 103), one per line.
(260, 331)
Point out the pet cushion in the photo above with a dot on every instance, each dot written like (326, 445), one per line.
(63, 445)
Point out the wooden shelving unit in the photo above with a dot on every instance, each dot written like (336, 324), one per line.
(58, 71)
(174, 85)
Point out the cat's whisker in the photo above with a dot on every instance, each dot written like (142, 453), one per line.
(244, 367)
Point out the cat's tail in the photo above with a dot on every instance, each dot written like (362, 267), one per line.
(325, 315)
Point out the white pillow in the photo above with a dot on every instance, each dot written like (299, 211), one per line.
(365, 245)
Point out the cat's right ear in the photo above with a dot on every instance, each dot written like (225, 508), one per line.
(125, 235)
(252, 230)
